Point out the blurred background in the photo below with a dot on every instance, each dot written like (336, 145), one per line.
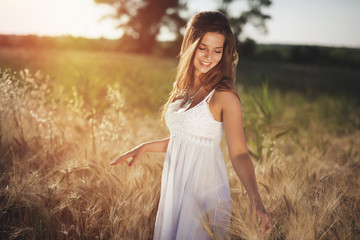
(305, 46)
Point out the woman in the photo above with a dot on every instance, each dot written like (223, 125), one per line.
(202, 105)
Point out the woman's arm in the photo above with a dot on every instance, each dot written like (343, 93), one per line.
(138, 151)
(231, 115)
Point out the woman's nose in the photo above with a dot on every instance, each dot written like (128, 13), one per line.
(208, 55)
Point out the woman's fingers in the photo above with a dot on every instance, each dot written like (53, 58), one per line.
(122, 158)
(266, 224)
(133, 160)
(134, 154)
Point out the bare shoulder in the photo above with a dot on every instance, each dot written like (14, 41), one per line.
(226, 99)
(224, 102)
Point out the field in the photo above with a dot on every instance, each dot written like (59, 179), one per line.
(65, 114)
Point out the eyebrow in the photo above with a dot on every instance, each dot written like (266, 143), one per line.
(206, 45)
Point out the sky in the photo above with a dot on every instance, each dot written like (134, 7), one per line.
(311, 22)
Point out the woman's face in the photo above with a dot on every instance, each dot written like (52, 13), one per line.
(209, 52)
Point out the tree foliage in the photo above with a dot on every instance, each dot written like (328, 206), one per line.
(254, 15)
(142, 20)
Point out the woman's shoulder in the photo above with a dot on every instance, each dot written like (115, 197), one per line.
(225, 100)
(225, 97)
(226, 91)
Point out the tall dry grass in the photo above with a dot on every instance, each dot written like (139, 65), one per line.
(56, 182)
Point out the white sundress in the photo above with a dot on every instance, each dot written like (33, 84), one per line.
(194, 181)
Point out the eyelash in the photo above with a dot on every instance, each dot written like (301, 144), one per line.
(204, 49)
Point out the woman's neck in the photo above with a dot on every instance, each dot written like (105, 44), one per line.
(196, 81)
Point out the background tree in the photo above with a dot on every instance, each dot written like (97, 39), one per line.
(254, 15)
(142, 19)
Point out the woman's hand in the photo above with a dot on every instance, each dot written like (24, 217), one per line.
(134, 153)
(257, 210)
(138, 151)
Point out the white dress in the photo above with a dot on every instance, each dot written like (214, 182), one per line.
(194, 181)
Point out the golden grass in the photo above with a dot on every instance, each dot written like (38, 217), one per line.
(56, 182)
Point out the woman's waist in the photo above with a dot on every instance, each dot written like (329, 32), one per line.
(201, 139)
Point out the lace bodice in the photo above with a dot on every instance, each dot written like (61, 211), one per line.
(195, 124)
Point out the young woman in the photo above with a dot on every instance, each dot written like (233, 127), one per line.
(202, 105)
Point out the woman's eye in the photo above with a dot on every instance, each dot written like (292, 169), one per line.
(201, 48)
(217, 51)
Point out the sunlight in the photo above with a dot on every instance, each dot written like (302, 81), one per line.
(57, 17)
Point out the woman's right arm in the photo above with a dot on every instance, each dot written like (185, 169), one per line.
(138, 151)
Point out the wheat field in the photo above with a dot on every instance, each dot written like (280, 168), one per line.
(59, 136)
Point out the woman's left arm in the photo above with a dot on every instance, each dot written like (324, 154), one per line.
(231, 114)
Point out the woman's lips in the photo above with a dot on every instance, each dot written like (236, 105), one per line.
(205, 64)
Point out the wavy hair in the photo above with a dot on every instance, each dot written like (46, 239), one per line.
(222, 76)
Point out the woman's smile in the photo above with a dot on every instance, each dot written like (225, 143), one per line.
(205, 64)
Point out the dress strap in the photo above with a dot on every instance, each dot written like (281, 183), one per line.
(209, 96)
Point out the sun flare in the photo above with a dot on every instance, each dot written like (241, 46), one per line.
(58, 17)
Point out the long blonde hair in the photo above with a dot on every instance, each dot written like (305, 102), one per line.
(222, 76)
